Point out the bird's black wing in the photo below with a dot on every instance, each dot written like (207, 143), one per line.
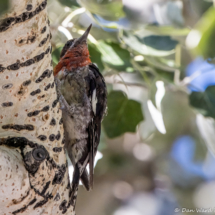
(97, 92)
(101, 104)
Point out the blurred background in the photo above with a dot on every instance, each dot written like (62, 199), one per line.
(156, 155)
(158, 138)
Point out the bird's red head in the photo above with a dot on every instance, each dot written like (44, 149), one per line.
(74, 54)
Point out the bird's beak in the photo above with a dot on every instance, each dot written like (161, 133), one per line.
(83, 38)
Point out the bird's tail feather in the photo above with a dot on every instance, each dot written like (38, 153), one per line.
(85, 180)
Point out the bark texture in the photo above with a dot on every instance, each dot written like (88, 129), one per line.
(33, 168)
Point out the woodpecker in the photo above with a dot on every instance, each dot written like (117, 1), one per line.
(83, 98)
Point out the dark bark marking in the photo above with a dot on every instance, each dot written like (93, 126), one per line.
(43, 30)
(57, 137)
(41, 203)
(57, 197)
(18, 142)
(45, 109)
(18, 201)
(6, 23)
(40, 153)
(32, 39)
(39, 57)
(52, 137)
(34, 113)
(20, 210)
(21, 92)
(54, 104)
(53, 122)
(47, 87)
(57, 149)
(34, 158)
(32, 201)
(33, 93)
(18, 127)
(28, 62)
(29, 127)
(15, 141)
(45, 188)
(42, 137)
(50, 73)
(62, 206)
(14, 66)
(61, 121)
(21, 41)
(7, 104)
(54, 165)
(44, 41)
(29, 7)
(25, 207)
(59, 175)
(47, 50)
(2, 69)
(44, 75)
(26, 83)
(7, 86)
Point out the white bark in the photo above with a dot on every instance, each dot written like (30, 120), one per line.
(29, 109)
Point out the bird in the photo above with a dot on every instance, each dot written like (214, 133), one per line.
(82, 95)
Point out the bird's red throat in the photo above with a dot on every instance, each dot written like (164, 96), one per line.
(74, 58)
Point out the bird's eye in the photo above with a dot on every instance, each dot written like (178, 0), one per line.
(66, 47)
(70, 42)
(39, 154)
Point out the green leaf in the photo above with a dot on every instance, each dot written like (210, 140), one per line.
(151, 45)
(164, 43)
(4, 6)
(168, 30)
(69, 3)
(114, 56)
(204, 102)
(152, 91)
(96, 56)
(56, 55)
(123, 115)
(161, 63)
(109, 10)
(205, 29)
(168, 76)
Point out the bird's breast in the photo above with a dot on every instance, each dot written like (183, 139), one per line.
(73, 87)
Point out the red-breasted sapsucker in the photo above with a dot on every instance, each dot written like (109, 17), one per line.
(83, 99)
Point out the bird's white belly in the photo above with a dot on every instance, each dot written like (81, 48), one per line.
(76, 127)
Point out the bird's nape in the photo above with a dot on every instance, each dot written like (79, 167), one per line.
(68, 44)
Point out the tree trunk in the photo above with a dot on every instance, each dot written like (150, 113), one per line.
(33, 168)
